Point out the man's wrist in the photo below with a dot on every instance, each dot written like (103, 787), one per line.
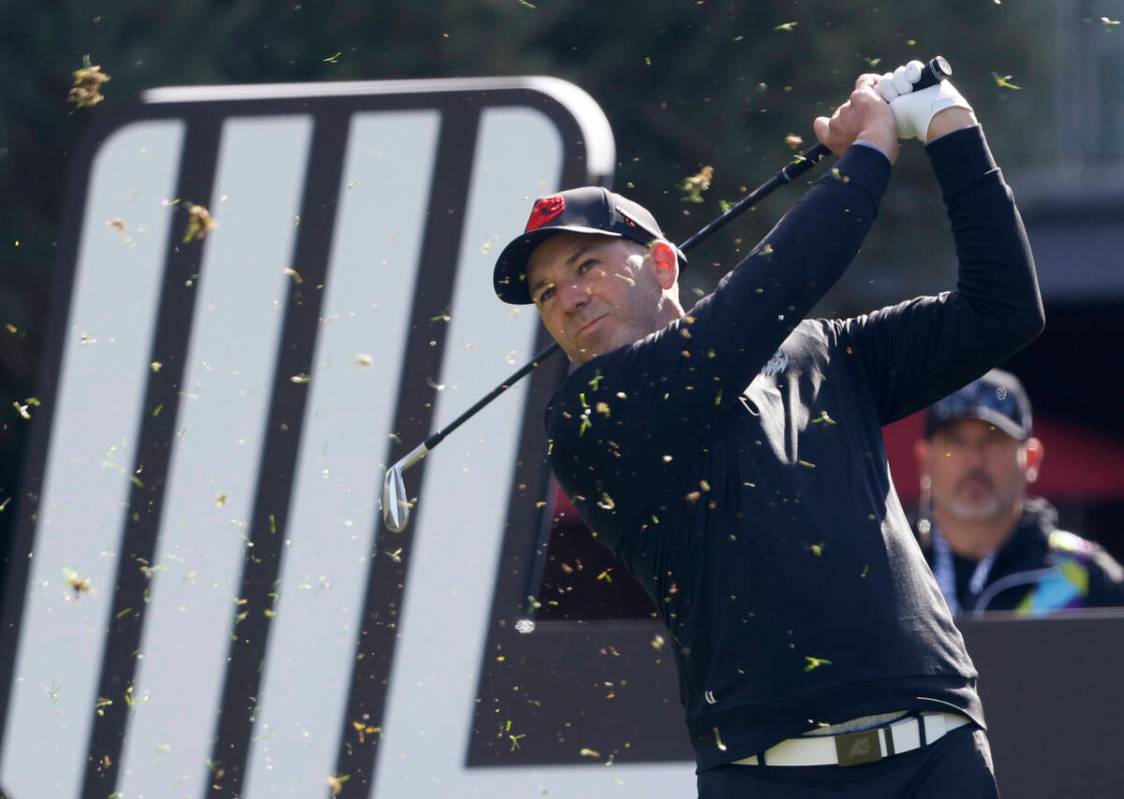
(865, 167)
(871, 145)
(887, 145)
(950, 120)
(959, 160)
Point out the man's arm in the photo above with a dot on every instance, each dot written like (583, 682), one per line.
(920, 350)
(627, 421)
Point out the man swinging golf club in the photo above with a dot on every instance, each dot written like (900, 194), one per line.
(731, 455)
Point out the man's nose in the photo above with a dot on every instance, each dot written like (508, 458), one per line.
(974, 453)
(573, 296)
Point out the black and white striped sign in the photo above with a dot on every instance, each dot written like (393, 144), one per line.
(203, 602)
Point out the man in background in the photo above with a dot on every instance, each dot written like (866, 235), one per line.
(991, 546)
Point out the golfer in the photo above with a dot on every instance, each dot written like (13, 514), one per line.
(731, 456)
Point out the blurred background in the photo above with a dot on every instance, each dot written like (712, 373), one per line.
(685, 84)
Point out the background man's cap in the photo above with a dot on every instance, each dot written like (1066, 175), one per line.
(589, 209)
(997, 398)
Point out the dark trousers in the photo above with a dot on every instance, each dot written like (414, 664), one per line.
(958, 766)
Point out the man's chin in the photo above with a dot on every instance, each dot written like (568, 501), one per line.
(590, 347)
(593, 345)
(975, 511)
(582, 354)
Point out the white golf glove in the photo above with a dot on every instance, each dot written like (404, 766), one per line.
(914, 110)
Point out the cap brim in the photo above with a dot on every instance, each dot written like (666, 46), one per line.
(985, 414)
(509, 278)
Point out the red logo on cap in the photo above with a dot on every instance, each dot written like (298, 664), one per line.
(545, 209)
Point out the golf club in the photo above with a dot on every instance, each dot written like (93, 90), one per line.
(395, 502)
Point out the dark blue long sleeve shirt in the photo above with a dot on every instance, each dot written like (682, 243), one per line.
(733, 462)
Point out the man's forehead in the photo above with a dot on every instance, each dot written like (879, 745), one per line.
(562, 247)
(971, 426)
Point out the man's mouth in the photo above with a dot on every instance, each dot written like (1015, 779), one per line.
(589, 326)
(975, 484)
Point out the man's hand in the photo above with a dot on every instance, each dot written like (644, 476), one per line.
(924, 114)
(864, 116)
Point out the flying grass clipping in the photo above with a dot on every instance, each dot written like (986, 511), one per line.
(88, 81)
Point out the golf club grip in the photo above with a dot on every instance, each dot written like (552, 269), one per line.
(805, 161)
(935, 71)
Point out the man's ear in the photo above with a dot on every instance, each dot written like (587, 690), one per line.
(666, 261)
(1034, 453)
(921, 454)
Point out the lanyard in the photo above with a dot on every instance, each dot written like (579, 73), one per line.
(945, 572)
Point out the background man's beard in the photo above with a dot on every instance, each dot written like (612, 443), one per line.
(978, 506)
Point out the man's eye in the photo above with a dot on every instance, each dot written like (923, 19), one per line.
(545, 294)
(586, 265)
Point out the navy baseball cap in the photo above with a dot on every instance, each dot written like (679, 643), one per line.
(589, 209)
(997, 398)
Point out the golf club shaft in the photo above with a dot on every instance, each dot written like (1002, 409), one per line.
(935, 71)
(794, 169)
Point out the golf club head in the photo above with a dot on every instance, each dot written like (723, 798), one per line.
(395, 503)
